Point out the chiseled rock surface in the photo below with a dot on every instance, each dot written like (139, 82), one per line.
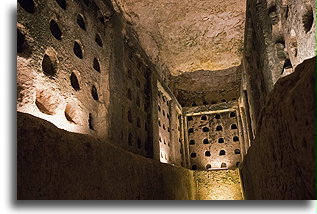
(188, 35)
(53, 82)
(280, 163)
(207, 87)
(218, 185)
(56, 164)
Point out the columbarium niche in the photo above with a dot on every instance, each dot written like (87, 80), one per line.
(164, 125)
(47, 101)
(55, 57)
(49, 62)
(137, 101)
(216, 140)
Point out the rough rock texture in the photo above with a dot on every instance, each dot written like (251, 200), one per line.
(185, 36)
(280, 163)
(214, 140)
(207, 87)
(63, 60)
(279, 35)
(80, 67)
(131, 98)
(56, 164)
(218, 185)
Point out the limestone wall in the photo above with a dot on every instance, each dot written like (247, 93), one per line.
(218, 185)
(81, 67)
(205, 87)
(63, 62)
(280, 163)
(279, 35)
(130, 93)
(56, 164)
(164, 122)
(213, 136)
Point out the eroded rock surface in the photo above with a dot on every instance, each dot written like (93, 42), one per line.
(189, 35)
(280, 163)
(207, 87)
(218, 185)
(56, 164)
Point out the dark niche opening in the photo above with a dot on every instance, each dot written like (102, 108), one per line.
(78, 50)
(74, 81)
(55, 30)
(27, 5)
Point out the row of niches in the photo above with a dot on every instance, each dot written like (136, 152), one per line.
(137, 91)
(164, 114)
(163, 98)
(138, 79)
(132, 74)
(164, 158)
(30, 7)
(137, 71)
(163, 141)
(137, 88)
(78, 48)
(164, 127)
(163, 107)
(141, 124)
(220, 153)
(219, 140)
(49, 103)
(164, 135)
(50, 61)
(137, 142)
(208, 166)
(58, 33)
(216, 116)
(50, 67)
(137, 121)
(139, 100)
(138, 95)
(218, 128)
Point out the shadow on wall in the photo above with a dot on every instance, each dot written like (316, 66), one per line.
(280, 164)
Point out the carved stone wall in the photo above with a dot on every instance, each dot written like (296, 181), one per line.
(279, 35)
(63, 63)
(281, 162)
(213, 137)
(164, 123)
(56, 164)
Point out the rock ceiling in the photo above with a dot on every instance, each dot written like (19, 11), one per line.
(188, 35)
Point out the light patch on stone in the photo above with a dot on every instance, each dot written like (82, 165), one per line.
(186, 36)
